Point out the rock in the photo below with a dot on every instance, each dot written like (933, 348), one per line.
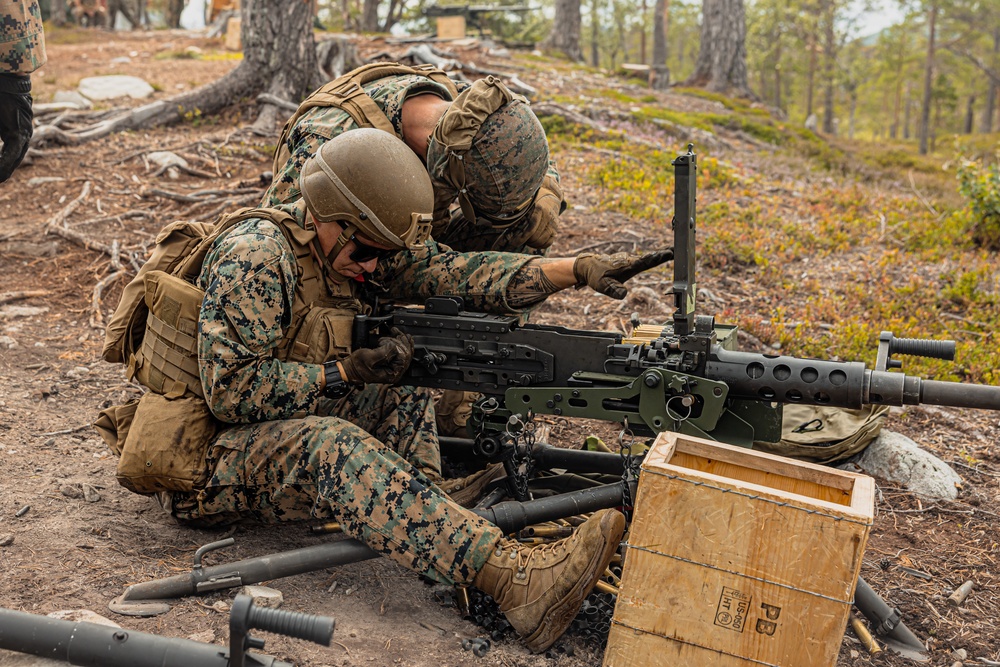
(896, 458)
(264, 596)
(90, 494)
(121, 60)
(6, 539)
(78, 615)
(112, 86)
(71, 491)
(72, 97)
(7, 343)
(205, 637)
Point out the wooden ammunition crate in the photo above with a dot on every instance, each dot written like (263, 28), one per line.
(738, 558)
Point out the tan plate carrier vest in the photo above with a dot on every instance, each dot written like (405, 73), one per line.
(347, 94)
(162, 438)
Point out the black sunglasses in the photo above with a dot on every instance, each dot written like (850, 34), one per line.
(365, 253)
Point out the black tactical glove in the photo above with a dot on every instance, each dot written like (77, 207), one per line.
(15, 121)
(606, 273)
(384, 364)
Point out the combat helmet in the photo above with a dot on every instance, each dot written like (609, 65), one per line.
(370, 182)
(490, 151)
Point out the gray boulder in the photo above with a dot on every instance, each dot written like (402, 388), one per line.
(897, 459)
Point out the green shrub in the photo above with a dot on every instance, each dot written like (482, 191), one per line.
(981, 186)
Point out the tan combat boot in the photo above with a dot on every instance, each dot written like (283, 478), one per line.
(540, 589)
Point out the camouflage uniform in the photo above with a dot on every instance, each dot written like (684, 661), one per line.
(366, 460)
(320, 124)
(22, 41)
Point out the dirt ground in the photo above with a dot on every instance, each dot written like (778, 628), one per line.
(73, 539)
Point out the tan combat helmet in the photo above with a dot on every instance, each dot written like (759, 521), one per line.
(370, 182)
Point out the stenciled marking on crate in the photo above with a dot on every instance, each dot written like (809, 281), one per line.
(732, 610)
(768, 626)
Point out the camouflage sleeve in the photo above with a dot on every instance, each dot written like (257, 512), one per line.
(249, 280)
(22, 39)
(481, 278)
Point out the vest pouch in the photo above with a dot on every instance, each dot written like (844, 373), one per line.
(173, 245)
(113, 425)
(167, 360)
(166, 445)
(325, 335)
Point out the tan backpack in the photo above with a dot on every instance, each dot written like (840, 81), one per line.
(347, 94)
(161, 438)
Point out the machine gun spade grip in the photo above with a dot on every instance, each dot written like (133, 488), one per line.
(889, 345)
(244, 616)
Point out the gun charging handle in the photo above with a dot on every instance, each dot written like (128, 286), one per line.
(244, 616)
(917, 347)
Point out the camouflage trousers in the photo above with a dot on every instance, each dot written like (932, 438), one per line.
(360, 466)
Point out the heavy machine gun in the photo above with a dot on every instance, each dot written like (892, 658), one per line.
(686, 376)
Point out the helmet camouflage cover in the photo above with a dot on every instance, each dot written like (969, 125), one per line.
(490, 151)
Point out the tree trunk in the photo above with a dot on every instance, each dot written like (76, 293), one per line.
(57, 12)
(722, 56)
(925, 108)
(595, 10)
(173, 14)
(970, 115)
(369, 16)
(827, 16)
(565, 35)
(659, 74)
(907, 106)
(991, 95)
(643, 9)
(811, 76)
(279, 58)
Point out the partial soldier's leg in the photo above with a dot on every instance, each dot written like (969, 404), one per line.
(326, 468)
(402, 418)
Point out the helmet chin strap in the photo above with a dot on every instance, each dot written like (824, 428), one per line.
(345, 235)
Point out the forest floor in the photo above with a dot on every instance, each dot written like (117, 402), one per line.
(71, 538)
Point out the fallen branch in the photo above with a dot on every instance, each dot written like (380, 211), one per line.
(7, 297)
(96, 319)
(274, 100)
(58, 221)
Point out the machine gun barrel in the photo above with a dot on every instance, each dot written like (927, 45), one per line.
(844, 384)
(93, 645)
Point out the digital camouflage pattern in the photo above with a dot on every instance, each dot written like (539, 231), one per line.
(368, 460)
(22, 39)
(319, 125)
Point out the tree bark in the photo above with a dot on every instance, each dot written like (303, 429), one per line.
(659, 74)
(369, 16)
(925, 109)
(565, 35)
(595, 9)
(58, 12)
(173, 14)
(722, 56)
(827, 16)
(991, 95)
